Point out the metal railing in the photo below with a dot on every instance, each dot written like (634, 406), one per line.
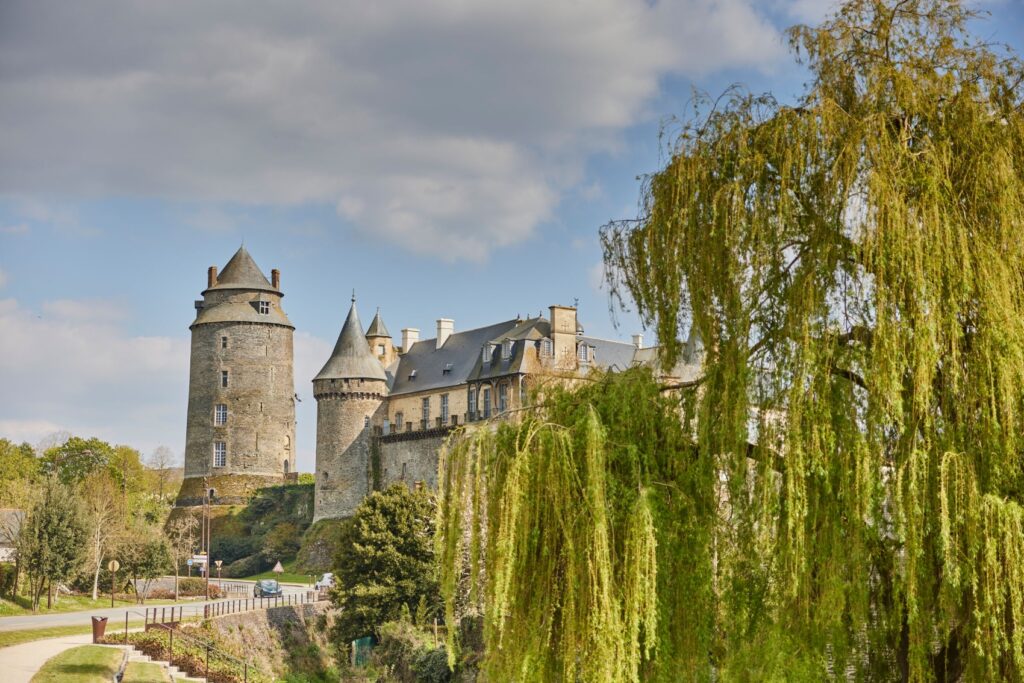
(236, 606)
(202, 644)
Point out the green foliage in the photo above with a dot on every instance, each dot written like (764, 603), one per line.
(231, 548)
(21, 471)
(144, 556)
(590, 521)
(408, 654)
(855, 268)
(76, 459)
(282, 542)
(52, 537)
(307, 479)
(385, 561)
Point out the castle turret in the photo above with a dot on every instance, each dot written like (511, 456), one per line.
(241, 410)
(349, 391)
(379, 341)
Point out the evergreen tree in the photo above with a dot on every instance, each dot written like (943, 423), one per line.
(385, 561)
(52, 539)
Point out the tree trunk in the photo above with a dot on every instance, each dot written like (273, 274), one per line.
(176, 581)
(96, 578)
(49, 594)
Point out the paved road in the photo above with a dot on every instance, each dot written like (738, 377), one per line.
(116, 615)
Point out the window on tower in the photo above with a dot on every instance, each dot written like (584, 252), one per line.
(264, 307)
(223, 342)
(220, 454)
(224, 378)
(220, 414)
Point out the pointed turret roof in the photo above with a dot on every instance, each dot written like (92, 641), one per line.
(241, 272)
(351, 358)
(377, 328)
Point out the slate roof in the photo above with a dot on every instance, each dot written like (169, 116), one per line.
(614, 355)
(241, 272)
(240, 311)
(377, 328)
(351, 358)
(461, 349)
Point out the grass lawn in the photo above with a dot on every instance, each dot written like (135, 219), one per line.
(22, 605)
(144, 672)
(85, 664)
(8, 638)
(287, 577)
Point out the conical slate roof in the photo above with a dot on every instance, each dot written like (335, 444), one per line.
(241, 272)
(351, 358)
(377, 328)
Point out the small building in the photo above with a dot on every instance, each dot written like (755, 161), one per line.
(10, 526)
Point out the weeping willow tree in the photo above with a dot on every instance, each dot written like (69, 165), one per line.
(582, 534)
(843, 498)
(855, 267)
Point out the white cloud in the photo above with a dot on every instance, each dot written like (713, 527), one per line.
(447, 127)
(87, 375)
(16, 229)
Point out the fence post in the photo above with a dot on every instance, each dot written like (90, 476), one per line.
(170, 648)
(245, 674)
(207, 661)
(126, 627)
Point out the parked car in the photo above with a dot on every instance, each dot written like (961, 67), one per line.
(326, 581)
(267, 588)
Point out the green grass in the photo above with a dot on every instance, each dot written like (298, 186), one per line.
(144, 672)
(85, 664)
(8, 638)
(22, 604)
(287, 577)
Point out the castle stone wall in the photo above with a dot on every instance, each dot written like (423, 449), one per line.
(343, 440)
(411, 458)
(260, 427)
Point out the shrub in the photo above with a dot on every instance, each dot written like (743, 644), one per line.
(231, 548)
(410, 655)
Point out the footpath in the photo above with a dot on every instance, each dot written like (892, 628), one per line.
(21, 662)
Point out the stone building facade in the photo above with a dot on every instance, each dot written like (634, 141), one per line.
(240, 432)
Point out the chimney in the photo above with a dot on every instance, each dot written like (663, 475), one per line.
(638, 341)
(410, 336)
(211, 277)
(275, 278)
(445, 326)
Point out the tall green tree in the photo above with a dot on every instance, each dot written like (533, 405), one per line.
(854, 265)
(385, 561)
(21, 471)
(144, 556)
(77, 458)
(52, 539)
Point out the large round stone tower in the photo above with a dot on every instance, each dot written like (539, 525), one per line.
(241, 390)
(349, 392)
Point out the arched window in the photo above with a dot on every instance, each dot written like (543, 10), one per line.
(286, 465)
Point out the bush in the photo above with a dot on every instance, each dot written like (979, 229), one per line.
(247, 566)
(409, 654)
(231, 548)
(193, 591)
(282, 542)
(189, 655)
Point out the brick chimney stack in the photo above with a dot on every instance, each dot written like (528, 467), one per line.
(275, 278)
(211, 277)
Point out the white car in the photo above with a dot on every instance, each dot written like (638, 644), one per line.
(326, 581)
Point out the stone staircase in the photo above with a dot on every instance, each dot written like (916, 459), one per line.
(176, 675)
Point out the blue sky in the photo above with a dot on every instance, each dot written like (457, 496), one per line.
(444, 159)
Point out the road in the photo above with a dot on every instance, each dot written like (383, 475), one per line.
(135, 612)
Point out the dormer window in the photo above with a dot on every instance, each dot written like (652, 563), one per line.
(506, 349)
(486, 353)
(581, 353)
(547, 348)
(412, 375)
(447, 368)
(264, 307)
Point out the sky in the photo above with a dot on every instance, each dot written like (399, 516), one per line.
(447, 159)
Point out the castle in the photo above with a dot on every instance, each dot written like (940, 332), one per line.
(383, 411)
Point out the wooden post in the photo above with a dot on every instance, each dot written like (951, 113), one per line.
(126, 627)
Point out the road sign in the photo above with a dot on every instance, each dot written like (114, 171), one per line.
(199, 559)
(218, 563)
(189, 561)
(278, 569)
(113, 565)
